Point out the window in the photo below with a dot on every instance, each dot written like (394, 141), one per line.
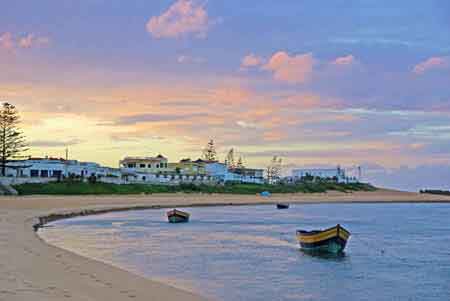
(34, 173)
(131, 165)
(149, 166)
(44, 173)
(57, 173)
(142, 166)
(157, 165)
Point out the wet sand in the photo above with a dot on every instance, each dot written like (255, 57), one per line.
(30, 269)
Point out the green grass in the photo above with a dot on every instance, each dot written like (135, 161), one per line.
(78, 188)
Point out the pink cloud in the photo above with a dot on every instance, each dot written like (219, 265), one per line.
(31, 40)
(251, 60)
(9, 42)
(430, 64)
(344, 60)
(308, 102)
(182, 18)
(6, 41)
(291, 69)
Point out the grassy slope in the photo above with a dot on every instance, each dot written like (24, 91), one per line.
(77, 188)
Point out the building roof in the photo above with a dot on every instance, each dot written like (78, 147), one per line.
(45, 159)
(205, 161)
(146, 159)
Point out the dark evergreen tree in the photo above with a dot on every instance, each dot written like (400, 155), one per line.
(12, 140)
(209, 153)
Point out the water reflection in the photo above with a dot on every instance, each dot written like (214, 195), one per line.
(338, 257)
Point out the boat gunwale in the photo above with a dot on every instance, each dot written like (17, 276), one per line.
(176, 212)
(316, 232)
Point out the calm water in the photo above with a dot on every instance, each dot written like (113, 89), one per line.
(397, 251)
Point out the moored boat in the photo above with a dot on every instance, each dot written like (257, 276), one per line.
(332, 240)
(282, 206)
(177, 216)
(265, 194)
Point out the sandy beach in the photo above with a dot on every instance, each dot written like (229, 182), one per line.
(30, 269)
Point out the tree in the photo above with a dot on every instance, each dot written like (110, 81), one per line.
(274, 170)
(240, 163)
(12, 140)
(209, 153)
(229, 161)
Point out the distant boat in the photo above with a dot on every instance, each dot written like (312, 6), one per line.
(177, 216)
(332, 240)
(265, 193)
(282, 206)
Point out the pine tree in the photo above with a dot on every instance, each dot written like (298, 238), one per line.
(274, 170)
(209, 153)
(12, 140)
(240, 163)
(229, 161)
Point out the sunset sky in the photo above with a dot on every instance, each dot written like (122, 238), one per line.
(319, 83)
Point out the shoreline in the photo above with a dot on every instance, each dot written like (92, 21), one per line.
(52, 217)
(31, 269)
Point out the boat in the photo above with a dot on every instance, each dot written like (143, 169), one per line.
(177, 216)
(331, 240)
(265, 194)
(282, 206)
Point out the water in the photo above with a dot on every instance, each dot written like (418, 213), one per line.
(396, 252)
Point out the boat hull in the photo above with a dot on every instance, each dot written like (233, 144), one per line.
(282, 206)
(331, 240)
(333, 245)
(176, 216)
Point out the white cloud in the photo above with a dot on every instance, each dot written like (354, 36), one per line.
(251, 60)
(186, 59)
(246, 125)
(184, 17)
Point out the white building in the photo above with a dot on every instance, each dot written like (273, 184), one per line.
(243, 175)
(158, 164)
(324, 173)
(155, 171)
(56, 168)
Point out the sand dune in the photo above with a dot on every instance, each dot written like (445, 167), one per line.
(30, 269)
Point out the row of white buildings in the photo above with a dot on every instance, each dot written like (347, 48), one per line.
(152, 170)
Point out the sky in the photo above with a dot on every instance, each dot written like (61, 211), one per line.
(355, 83)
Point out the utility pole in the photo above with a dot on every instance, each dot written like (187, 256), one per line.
(66, 163)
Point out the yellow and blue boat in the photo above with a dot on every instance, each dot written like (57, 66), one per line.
(332, 240)
(177, 216)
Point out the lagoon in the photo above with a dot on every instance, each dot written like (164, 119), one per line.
(396, 252)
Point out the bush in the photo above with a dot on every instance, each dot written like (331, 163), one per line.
(96, 188)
